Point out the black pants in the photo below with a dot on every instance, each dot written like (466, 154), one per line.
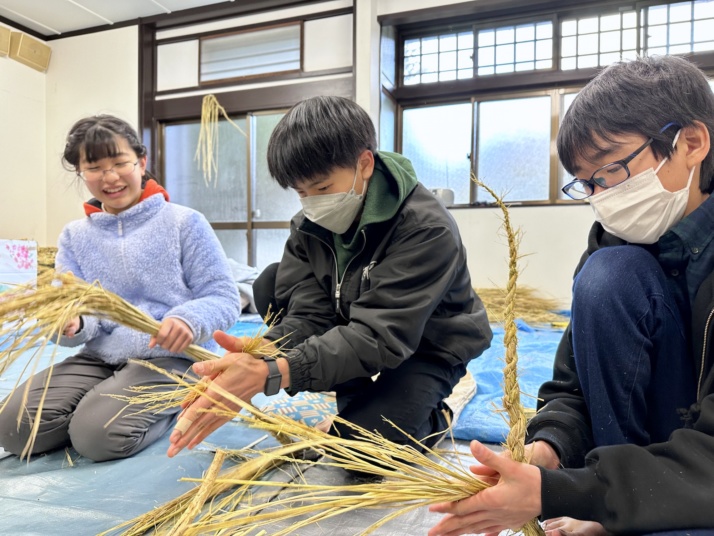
(410, 396)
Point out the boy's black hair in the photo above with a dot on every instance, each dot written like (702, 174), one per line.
(316, 136)
(639, 97)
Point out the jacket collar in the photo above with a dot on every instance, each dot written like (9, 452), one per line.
(150, 188)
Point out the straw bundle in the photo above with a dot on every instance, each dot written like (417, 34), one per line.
(207, 148)
(412, 479)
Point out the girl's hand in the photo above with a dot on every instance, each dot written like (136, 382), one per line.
(72, 327)
(174, 335)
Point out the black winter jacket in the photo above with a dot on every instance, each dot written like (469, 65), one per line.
(627, 488)
(407, 291)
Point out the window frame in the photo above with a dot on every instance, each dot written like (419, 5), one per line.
(554, 81)
(237, 79)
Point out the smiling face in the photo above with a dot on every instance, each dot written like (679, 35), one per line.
(116, 192)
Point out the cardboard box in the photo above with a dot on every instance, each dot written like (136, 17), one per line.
(30, 51)
(4, 41)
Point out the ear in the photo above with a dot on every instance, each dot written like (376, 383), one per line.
(142, 165)
(366, 164)
(696, 138)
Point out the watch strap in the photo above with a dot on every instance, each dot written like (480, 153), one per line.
(274, 379)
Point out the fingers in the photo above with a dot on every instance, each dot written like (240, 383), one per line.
(230, 342)
(193, 426)
(174, 335)
(71, 328)
(214, 366)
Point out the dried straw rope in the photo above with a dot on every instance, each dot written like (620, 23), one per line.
(207, 147)
(515, 441)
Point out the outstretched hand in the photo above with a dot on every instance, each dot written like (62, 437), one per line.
(238, 373)
(509, 504)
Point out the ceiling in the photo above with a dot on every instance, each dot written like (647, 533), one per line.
(53, 18)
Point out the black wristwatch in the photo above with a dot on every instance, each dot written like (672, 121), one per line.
(274, 379)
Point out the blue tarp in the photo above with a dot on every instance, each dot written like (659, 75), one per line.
(481, 418)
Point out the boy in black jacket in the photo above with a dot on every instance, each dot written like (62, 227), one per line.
(373, 280)
(624, 438)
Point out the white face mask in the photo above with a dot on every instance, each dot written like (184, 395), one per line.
(334, 212)
(640, 210)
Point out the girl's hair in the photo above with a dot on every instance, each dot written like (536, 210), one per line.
(96, 138)
(316, 136)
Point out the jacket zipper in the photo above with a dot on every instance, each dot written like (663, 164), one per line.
(121, 230)
(704, 353)
(338, 285)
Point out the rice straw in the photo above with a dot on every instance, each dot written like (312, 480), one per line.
(207, 148)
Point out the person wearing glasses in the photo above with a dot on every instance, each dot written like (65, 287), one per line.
(623, 441)
(164, 259)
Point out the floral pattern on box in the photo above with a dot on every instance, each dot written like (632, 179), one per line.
(18, 263)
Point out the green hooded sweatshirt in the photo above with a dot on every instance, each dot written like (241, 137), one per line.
(392, 181)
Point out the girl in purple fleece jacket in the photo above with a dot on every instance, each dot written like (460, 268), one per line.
(164, 259)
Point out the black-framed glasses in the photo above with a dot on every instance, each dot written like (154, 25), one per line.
(121, 169)
(607, 176)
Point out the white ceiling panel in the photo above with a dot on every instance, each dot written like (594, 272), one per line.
(55, 17)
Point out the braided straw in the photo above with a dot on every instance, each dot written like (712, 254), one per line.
(515, 441)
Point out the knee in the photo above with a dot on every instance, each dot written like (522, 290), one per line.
(11, 439)
(99, 441)
(616, 272)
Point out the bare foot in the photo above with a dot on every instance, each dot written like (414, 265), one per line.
(566, 526)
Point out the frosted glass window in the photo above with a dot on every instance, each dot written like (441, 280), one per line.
(679, 28)
(437, 139)
(597, 41)
(224, 200)
(563, 176)
(514, 148)
(235, 244)
(270, 244)
(272, 203)
(514, 48)
(438, 58)
(252, 53)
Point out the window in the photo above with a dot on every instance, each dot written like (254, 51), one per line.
(438, 58)
(251, 53)
(438, 142)
(679, 28)
(525, 47)
(499, 113)
(598, 41)
(245, 206)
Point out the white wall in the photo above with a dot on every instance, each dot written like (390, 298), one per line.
(553, 239)
(88, 74)
(22, 152)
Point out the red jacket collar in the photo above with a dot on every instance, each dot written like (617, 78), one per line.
(150, 188)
